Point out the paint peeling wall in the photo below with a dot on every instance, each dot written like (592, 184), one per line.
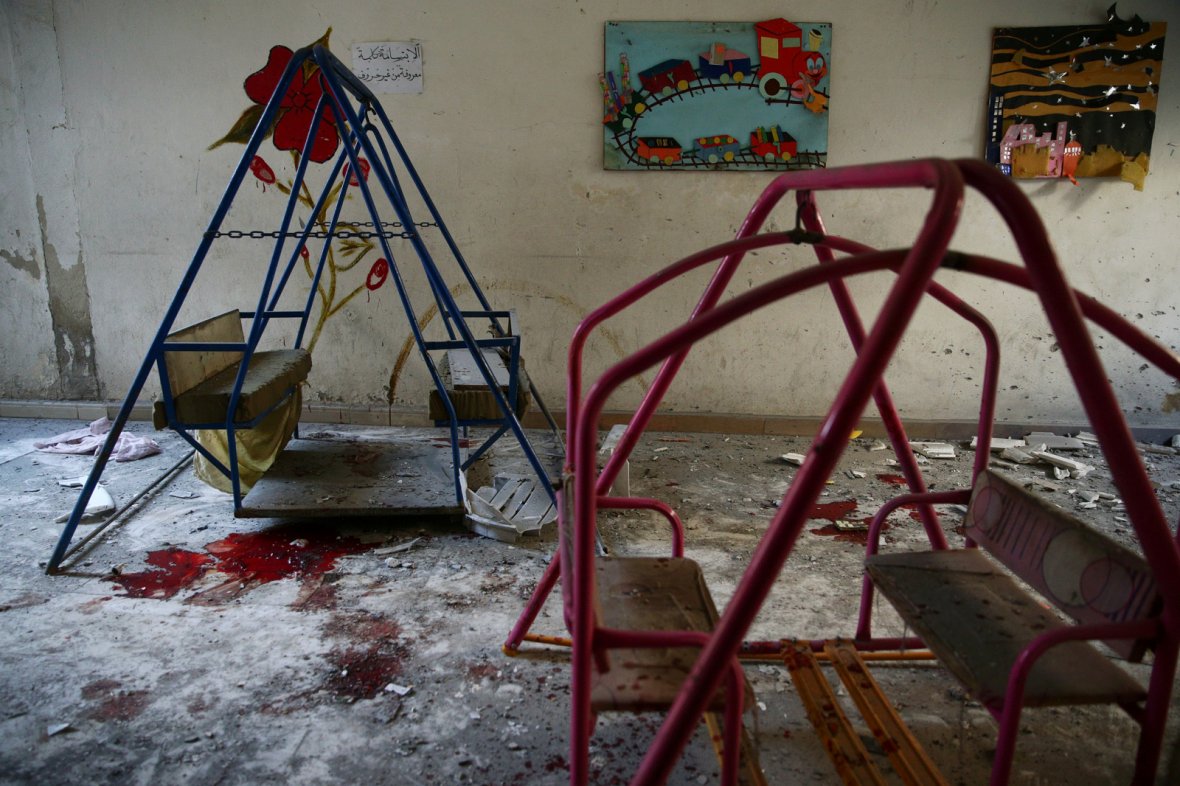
(107, 186)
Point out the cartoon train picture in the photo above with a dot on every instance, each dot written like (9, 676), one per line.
(720, 147)
(773, 143)
(781, 65)
(786, 64)
(658, 149)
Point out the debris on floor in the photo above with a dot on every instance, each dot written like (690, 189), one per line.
(89, 440)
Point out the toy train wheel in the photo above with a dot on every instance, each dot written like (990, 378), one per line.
(771, 85)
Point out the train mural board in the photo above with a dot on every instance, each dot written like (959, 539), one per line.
(1077, 101)
(699, 96)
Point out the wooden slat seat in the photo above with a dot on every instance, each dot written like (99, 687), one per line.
(202, 381)
(977, 619)
(468, 391)
(270, 375)
(651, 594)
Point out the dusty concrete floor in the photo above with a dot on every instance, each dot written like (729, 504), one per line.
(263, 651)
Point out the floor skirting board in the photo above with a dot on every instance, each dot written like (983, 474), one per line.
(694, 422)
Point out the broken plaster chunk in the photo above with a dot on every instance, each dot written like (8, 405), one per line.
(1053, 441)
(100, 502)
(793, 458)
(1165, 450)
(999, 443)
(400, 690)
(1017, 456)
(1076, 469)
(934, 450)
(855, 474)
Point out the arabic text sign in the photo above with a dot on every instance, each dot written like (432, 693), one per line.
(389, 67)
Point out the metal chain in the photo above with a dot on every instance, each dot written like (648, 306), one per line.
(258, 234)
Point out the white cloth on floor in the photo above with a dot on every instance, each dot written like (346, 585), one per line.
(89, 441)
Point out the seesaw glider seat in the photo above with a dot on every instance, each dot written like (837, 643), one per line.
(202, 381)
(470, 395)
(979, 621)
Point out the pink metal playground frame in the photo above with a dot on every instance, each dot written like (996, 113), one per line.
(1066, 311)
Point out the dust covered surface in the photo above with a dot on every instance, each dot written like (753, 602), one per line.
(186, 646)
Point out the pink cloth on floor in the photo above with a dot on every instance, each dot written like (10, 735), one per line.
(89, 441)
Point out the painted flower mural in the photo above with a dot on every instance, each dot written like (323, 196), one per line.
(297, 109)
(289, 132)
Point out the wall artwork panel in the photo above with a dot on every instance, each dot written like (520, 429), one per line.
(698, 96)
(1075, 101)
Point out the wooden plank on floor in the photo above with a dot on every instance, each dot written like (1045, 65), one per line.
(840, 740)
(912, 764)
(312, 478)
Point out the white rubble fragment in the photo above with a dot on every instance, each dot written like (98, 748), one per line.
(934, 450)
(1053, 441)
(793, 458)
(1165, 450)
(878, 445)
(100, 502)
(57, 728)
(999, 443)
(1017, 456)
(855, 474)
(1175, 441)
(400, 690)
(1076, 469)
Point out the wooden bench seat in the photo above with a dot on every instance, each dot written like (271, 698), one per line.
(202, 381)
(271, 374)
(977, 619)
(651, 594)
(468, 391)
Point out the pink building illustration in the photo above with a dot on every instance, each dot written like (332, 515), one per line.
(1021, 134)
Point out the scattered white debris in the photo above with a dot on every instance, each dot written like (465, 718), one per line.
(851, 526)
(1017, 456)
(1175, 441)
(1053, 441)
(100, 502)
(1076, 469)
(400, 690)
(999, 443)
(183, 494)
(58, 728)
(398, 549)
(300, 543)
(934, 450)
(878, 445)
(793, 458)
(855, 474)
(1088, 439)
(1165, 450)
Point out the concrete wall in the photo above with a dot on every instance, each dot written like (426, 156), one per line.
(107, 108)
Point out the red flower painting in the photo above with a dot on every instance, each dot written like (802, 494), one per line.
(292, 123)
(298, 106)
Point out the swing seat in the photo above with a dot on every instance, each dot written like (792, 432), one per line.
(202, 381)
(469, 394)
(651, 594)
(978, 620)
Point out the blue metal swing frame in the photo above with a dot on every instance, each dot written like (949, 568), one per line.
(363, 128)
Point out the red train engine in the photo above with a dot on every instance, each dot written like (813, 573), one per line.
(787, 62)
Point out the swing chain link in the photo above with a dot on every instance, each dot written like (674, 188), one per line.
(258, 234)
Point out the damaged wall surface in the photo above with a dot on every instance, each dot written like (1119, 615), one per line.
(107, 184)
